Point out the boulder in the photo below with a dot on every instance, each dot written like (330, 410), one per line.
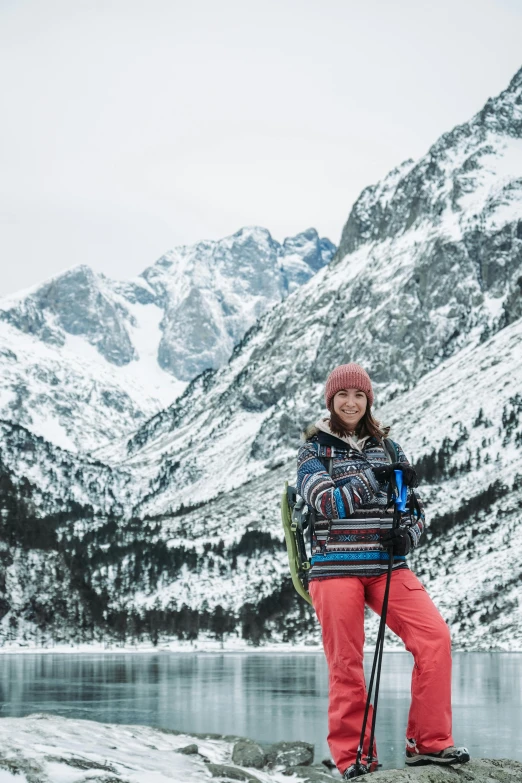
(189, 750)
(328, 763)
(247, 753)
(290, 754)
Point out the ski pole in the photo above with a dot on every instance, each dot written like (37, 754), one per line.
(400, 498)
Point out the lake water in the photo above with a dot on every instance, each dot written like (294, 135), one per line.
(266, 696)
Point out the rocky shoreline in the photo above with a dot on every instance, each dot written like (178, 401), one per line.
(296, 759)
(46, 748)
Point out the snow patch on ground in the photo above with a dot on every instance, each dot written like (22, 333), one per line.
(52, 749)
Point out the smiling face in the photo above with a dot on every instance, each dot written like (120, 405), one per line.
(350, 405)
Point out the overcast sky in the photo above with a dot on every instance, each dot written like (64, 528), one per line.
(132, 126)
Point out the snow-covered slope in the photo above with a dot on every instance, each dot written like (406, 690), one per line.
(422, 292)
(85, 359)
(400, 302)
(462, 426)
(425, 293)
(50, 480)
(73, 400)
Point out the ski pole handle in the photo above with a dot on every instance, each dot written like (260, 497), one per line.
(402, 491)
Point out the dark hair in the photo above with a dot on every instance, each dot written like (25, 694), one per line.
(368, 425)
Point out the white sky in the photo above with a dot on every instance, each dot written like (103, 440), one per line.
(128, 127)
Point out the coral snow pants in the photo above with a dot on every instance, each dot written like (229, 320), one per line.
(339, 605)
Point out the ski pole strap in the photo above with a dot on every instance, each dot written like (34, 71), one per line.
(414, 508)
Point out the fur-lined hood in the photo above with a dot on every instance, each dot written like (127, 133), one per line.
(309, 432)
(323, 425)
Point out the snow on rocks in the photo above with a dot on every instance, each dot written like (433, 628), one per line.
(50, 749)
(247, 753)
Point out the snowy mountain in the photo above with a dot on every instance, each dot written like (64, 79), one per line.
(74, 399)
(214, 292)
(400, 305)
(85, 359)
(424, 291)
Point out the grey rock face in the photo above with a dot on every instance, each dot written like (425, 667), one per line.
(191, 340)
(76, 303)
(290, 754)
(210, 295)
(302, 253)
(414, 192)
(135, 292)
(214, 292)
(248, 754)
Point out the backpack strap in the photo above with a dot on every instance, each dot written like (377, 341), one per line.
(390, 449)
(327, 460)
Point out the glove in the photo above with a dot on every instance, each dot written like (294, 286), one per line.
(385, 472)
(399, 539)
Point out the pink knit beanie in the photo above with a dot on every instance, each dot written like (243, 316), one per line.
(348, 376)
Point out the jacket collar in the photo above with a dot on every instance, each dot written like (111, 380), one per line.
(323, 427)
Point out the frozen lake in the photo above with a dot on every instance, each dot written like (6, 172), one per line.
(265, 696)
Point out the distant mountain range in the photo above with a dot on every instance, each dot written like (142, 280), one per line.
(185, 540)
(85, 359)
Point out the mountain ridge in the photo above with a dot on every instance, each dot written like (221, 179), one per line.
(116, 337)
(433, 311)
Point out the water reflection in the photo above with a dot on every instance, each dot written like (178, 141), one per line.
(269, 697)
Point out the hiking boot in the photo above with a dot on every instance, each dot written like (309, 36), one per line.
(354, 771)
(451, 755)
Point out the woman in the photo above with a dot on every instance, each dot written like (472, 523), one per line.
(351, 544)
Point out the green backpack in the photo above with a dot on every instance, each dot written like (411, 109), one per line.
(297, 517)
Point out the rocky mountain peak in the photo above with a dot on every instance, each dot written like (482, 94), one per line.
(436, 190)
(434, 267)
(85, 358)
(208, 295)
(80, 303)
(214, 291)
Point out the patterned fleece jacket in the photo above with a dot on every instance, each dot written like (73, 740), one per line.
(350, 505)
